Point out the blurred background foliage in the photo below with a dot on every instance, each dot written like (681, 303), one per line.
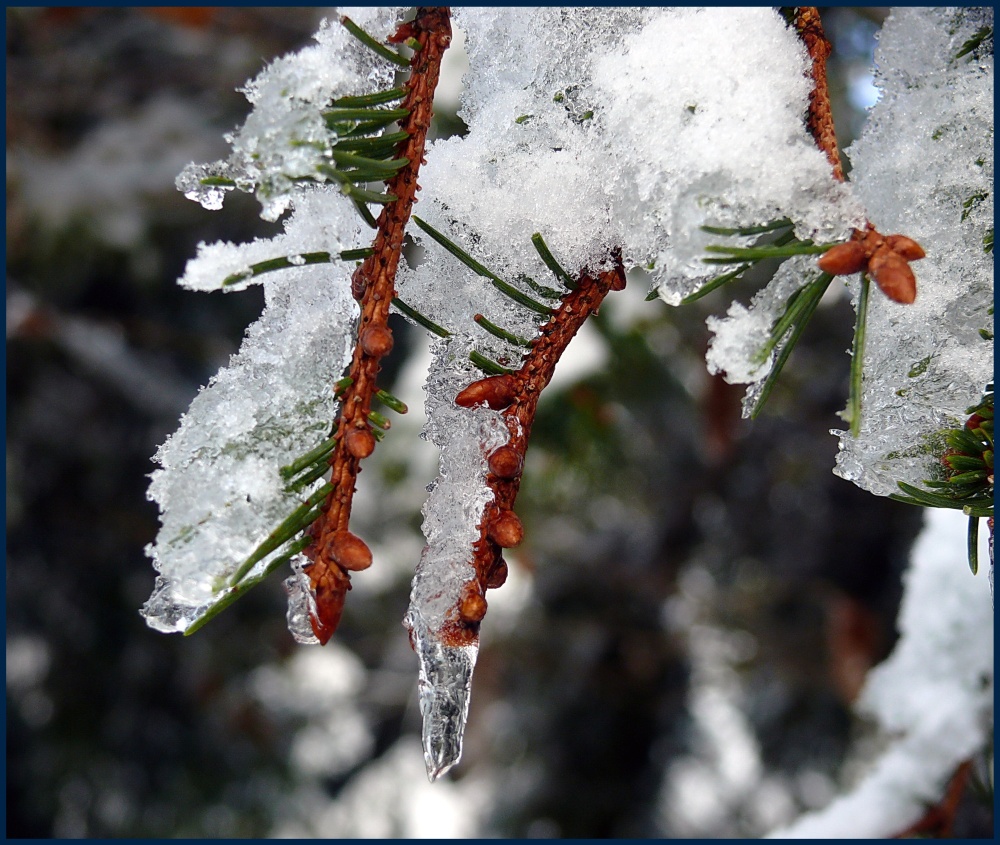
(684, 629)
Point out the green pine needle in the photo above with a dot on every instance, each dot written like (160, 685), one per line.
(301, 260)
(858, 358)
(738, 254)
(503, 334)
(366, 215)
(372, 44)
(804, 305)
(379, 421)
(308, 459)
(302, 517)
(715, 283)
(472, 264)
(973, 544)
(378, 146)
(491, 368)
(557, 270)
(745, 231)
(419, 318)
(391, 401)
(376, 99)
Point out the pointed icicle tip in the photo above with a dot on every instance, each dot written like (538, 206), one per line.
(443, 687)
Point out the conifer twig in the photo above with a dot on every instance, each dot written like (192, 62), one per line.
(516, 393)
(335, 552)
(820, 118)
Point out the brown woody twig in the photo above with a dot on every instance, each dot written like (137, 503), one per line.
(886, 258)
(939, 821)
(517, 395)
(335, 551)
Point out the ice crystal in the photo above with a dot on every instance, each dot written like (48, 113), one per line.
(924, 167)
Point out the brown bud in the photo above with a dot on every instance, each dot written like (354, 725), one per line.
(906, 247)
(360, 442)
(893, 275)
(496, 391)
(376, 341)
(359, 284)
(330, 587)
(506, 530)
(349, 551)
(843, 259)
(506, 462)
(472, 604)
(498, 576)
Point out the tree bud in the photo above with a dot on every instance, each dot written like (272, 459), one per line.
(893, 275)
(506, 530)
(376, 341)
(843, 259)
(360, 442)
(349, 551)
(496, 391)
(506, 462)
(498, 576)
(905, 247)
(330, 587)
(472, 604)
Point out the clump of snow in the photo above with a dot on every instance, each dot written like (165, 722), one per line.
(740, 335)
(689, 149)
(218, 486)
(323, 220)
(554, 146)
(933, 695)
(924, 167)
(285, 138)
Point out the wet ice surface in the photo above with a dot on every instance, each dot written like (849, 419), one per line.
(926, 151)
(554, 146)
(444, 685)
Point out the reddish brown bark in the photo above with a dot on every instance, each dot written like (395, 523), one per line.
(500, 528)
(374, 286)
(885, 259)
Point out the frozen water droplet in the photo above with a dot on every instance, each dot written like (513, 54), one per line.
(301, 606)
(191, 183)
(296, 259)
(443, 688)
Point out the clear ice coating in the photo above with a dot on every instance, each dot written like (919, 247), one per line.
(444, 686)
(923, 166)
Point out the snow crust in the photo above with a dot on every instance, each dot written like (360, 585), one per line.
(932, 697)
(926, 150)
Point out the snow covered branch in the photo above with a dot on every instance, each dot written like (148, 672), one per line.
(614, 141)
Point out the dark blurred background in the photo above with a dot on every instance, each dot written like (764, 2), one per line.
(690, 617)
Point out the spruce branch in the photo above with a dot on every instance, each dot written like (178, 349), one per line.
(516, 394)
(334, 552)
